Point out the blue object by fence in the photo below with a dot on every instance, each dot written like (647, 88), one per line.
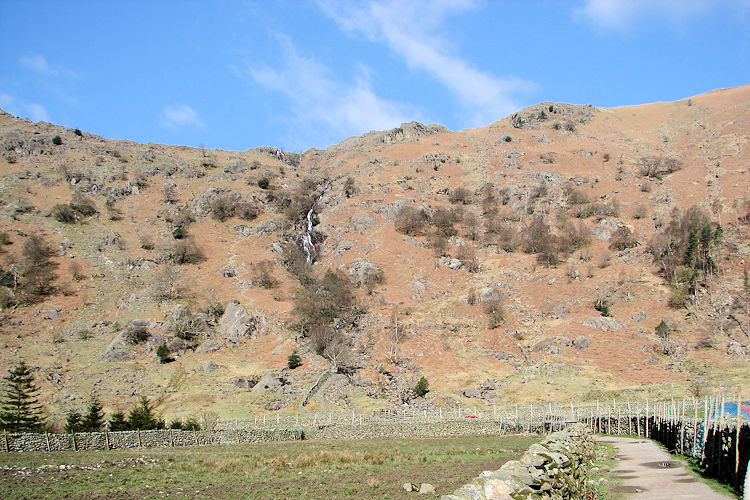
(730, 409)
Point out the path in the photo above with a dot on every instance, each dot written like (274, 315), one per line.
(647, 471)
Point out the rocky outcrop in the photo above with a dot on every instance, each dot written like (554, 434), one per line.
(603, 323)
(363, 273)
(555, 468)
(236, 323)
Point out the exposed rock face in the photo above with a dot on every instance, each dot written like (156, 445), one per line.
(118, 350)
(201, 207)
(269, 381)
(362, 272)
(236, 323)
(606, 324)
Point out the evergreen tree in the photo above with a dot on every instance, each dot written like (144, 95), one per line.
(421, 388)
(21, 411)
(293, 361)
(163, 353)
(118, 422)
(73, 422)
(142, 416)
(94, 419)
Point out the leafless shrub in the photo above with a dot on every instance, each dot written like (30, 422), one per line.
(657, 167)
(263, 276)
(169, 193)
(460, 195)
(622, 238)
(185, 251)
(410, 220)
(575, 196)
(146, 242)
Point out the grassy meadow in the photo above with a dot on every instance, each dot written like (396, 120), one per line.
(375, 468)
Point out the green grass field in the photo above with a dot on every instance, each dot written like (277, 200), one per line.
(304, 469)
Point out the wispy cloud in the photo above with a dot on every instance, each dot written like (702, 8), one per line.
(622, 15)
(410, 30)
(39, 64)
(179, 116)
(318, 99)
(18, 107)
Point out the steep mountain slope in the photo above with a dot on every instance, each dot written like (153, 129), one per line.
(484, 260)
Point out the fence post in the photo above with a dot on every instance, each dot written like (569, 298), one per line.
(630, 421)
(75, 446)
(646, 429)
(737, 438)
(106, 438)
(5, 434)
(46, 438)
(695, 426)
(140, 444)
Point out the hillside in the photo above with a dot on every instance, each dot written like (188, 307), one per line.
(532, 259)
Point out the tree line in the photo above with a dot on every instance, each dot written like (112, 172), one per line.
(20, 411)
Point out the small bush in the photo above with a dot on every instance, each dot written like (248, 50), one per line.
(460, 195)
(147, 243)
(223, 207)
(263, 183)
(264, 276)
(179, 233)
(293, 361)
(663, 330)
(604, 306)
(185, 251)
(57, 140)
(622, 238)
(163, 354)
(657, 167)
(63, 213)
(507, 138)
(83, 205)
(410, 220)
(135, 333)
(78, 133)
(421, 388)
(350, 188)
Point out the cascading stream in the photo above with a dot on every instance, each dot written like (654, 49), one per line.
(307, 244)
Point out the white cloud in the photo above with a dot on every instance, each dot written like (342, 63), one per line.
(319, 100)
(620, 15)
(31, 110)
(409, 29)
(178, 116)
(39, 64)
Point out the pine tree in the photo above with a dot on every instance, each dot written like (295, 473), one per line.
(293, 361)
(142, 416)
(118, 422)
(21, 411)
(421, 388)
(73, 422)
(94, 419)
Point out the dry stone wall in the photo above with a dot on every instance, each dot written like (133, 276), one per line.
(137, 439)
(555, 468)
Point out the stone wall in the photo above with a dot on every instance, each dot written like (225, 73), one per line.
(355, 430)
(137, 439)
(556, 468)
(465, 427)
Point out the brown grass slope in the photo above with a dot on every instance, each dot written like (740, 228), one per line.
(471, 297)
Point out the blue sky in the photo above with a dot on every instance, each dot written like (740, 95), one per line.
(299, 74)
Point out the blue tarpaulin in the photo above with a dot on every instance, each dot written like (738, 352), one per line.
(730, 409)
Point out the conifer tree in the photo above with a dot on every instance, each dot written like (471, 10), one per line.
(142, 416)
(118, 422)
(21, 411)
(93, 421)
(73, 422)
